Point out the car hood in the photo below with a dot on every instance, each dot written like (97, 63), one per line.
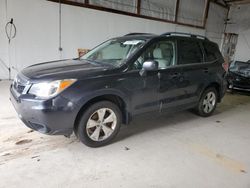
(241, 69)
(244, 73)
(64, 69)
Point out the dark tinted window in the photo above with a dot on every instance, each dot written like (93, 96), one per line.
(212, 52)
(189, 52)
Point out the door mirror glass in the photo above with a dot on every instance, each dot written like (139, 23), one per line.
(149, 65)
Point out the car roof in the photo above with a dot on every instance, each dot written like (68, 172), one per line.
(148, 36)
(138, 36)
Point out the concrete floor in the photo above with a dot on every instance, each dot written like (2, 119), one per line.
(164, 151)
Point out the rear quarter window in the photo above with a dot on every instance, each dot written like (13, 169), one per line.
(189, 52)
(212, 52)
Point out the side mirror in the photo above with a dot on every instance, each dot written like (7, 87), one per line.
(150, 65)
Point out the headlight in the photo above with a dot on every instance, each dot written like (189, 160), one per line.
(46, 90)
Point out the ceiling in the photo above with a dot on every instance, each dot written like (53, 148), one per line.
(235, 2)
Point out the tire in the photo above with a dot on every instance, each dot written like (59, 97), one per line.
(99, 124)
(231, 91)
(208, 102)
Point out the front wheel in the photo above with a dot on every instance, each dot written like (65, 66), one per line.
(99, 124)
(207, 103)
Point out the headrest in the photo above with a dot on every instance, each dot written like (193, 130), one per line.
(157, 53)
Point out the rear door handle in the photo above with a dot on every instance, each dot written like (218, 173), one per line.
(205, 70)
(175, 75)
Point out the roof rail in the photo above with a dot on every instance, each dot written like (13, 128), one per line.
(129, 34)
(185, 34)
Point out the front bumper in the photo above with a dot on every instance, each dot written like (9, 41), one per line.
(224, 88)
(231, 86)
(54, 116)
(243, 85)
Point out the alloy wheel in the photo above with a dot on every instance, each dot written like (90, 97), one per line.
(209, 102)
(101, 124)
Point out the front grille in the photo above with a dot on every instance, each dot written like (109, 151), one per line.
(20, 83)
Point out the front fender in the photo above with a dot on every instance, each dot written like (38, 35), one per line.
(102, 92)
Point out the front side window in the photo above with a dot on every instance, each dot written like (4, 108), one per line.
(189, 52)
(114, 52)
(162, 52)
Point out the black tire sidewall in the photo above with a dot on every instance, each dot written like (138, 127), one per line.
(200, 105)
(81, 128)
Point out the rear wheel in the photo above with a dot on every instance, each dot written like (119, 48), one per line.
(99, 124)
(208, 102)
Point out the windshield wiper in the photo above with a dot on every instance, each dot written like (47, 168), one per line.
(98, 62)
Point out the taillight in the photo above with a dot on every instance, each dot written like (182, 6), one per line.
(225, 66)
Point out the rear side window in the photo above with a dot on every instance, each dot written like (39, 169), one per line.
(189, 52)
(212, 52)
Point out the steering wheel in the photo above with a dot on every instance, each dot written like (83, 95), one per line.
(137, 65)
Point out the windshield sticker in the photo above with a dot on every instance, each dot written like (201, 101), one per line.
(132, 42)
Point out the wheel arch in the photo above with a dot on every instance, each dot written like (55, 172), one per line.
(114, 98)
(217, 86)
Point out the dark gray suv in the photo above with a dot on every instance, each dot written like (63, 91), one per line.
(123, 77)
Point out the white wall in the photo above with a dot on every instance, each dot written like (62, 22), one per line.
(37, 32)
(86, 28)
(239, 23)
(37, 23)
(3, 42)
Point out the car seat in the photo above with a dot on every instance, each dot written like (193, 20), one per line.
(163, 55)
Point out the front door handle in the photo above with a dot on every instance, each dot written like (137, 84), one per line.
(159, 75)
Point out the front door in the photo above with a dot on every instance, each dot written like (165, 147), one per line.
(143, 91)
(160, 88)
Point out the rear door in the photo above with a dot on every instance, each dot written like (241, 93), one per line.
(215, 65)
(195, 73)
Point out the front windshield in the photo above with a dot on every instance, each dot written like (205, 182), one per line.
(114, 52)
